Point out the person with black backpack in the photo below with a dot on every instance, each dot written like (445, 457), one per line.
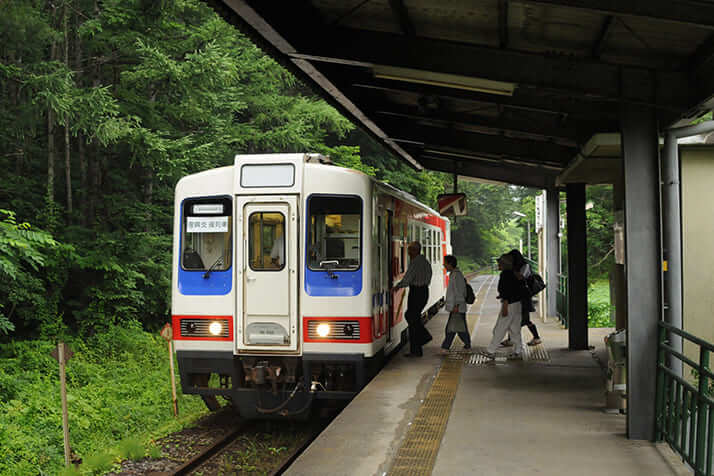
(456, 303)
(523, 272)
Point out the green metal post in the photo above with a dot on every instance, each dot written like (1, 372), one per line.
(710, 441)
(677, 415)
(661, 375)
(684, 410)
(701, 415)
(671, 412)
(692, 409)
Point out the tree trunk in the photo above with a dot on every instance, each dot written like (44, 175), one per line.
(81, 151)
(51, 130)
(67, 163)
(13, 91)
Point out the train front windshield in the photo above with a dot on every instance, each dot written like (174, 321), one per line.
(334, 235)
(206, 235)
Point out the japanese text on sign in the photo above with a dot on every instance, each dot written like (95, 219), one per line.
(207, 224)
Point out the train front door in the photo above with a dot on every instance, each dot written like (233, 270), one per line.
(267, 274)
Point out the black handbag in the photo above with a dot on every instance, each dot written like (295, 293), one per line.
(535, 283)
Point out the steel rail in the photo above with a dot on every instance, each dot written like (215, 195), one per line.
(207, 453)
(293, 455)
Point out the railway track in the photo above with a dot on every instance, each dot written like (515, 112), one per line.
(207, 453)
(211, 456)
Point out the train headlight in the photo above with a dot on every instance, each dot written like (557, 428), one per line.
(323, 330)
(215, 328)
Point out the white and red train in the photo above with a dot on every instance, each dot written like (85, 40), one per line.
(282, 270)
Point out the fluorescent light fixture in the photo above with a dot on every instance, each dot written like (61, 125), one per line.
(445, 80)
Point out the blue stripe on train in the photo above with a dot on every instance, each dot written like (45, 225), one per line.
(192, 283)
(346, 283)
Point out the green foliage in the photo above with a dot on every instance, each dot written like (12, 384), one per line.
(467, 264)
(131, 448)
(98, 463)
(23, 253)
(69, 471)
(118, 388)
(599, 307)
(600, 234)
(154, 452)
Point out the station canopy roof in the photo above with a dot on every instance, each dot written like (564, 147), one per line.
(503, 90)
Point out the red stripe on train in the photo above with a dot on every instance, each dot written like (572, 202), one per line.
(365, 330)
(176, 327)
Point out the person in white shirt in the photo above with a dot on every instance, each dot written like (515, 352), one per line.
(456, 305)
(417, 277)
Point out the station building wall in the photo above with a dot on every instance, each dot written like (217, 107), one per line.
(697, 178)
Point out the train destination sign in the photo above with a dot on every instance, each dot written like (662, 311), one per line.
(207, 224)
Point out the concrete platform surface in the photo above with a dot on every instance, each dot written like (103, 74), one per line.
(507, 418)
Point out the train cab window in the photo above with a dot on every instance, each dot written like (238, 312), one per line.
(206, 234)
(334, 239)
(266, 242)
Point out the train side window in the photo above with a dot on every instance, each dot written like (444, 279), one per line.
(427, 244)
(266, 241)
(206, 234)
(334, 232)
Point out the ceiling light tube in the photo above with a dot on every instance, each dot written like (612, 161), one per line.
(445, 80)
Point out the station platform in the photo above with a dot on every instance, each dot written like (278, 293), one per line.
(463, 415)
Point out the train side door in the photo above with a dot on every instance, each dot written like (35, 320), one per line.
(267, 305)
(390, 273)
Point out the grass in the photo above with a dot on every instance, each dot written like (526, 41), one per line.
(599, 308)
(119, 399)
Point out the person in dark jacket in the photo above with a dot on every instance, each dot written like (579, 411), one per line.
(522, 270)
(417, 278)
(509, 317)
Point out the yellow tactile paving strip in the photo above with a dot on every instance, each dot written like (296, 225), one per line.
(418, 451)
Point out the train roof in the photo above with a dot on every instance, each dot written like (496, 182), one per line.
(321, 161)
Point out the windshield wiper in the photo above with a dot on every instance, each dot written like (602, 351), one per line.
(208, 271)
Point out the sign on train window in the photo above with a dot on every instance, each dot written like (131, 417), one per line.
(334, 232)
(267, 175)
(266, 242)
(206, 234)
